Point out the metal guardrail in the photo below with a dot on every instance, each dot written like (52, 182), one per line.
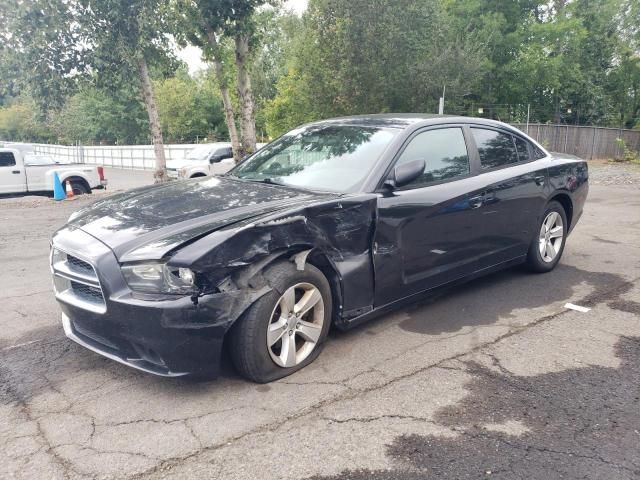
(139, 157)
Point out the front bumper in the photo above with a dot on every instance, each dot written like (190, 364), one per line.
(168, 336)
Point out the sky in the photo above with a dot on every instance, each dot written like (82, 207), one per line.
(192, 55)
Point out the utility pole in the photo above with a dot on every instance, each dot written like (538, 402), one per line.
(441, 107)
(528, 112)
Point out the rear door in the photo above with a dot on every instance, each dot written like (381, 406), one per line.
(512, 182)
(430, 232)
(12, 176)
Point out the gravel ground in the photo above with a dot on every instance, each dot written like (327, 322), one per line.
(614, 173)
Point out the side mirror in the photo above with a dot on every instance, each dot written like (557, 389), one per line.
(215, 158)
(405, 173)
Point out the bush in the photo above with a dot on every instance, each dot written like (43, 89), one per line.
(626, 155)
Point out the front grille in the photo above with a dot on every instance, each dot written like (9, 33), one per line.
(76, 282)
(91, 294)
(79, 266)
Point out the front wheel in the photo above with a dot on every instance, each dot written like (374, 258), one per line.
(284, 330)
(548, 244)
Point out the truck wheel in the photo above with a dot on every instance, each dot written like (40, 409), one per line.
(548, 243)
(285, 329)
(79, 188)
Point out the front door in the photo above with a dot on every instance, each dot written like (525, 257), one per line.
(12, 176)
(431, 231)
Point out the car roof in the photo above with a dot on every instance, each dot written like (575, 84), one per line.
(404, 120)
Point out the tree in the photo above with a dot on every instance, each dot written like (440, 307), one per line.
(126, 37)
(93, 117)
(213, 23)
(112, 42)
(190, 108)
(383, 56)
(20, 121)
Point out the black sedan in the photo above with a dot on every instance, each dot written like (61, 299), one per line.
(331, 224)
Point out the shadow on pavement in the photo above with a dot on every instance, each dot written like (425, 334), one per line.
(578, 423)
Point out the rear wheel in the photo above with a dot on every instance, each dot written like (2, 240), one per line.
(79, 188)
(284, 330)
(547, 246)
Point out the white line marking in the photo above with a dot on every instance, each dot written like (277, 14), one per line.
(577, 308)
(20, 345)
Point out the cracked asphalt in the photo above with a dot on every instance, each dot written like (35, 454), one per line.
(494, 379)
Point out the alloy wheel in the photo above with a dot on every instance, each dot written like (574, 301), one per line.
(551, 237)
(296, 325)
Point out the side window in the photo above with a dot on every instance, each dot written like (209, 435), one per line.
(537, 153)
(496, 149)
(522, 147)
(444, 152)
(7, 159)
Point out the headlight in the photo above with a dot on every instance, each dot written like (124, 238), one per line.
(159, 278)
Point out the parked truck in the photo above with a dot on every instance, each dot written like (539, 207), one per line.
(204, 160)
(23, 171)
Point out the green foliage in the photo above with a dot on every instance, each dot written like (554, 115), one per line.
(190, 109)
(626, 154)
(68, 68)
(362, 56)
(95, 117)
(20, 121)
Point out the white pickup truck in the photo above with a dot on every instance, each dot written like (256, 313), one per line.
(204, 160)
(29, 172)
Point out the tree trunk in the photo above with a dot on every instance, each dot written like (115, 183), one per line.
(245, 94)
(229, 115)
(160, 174)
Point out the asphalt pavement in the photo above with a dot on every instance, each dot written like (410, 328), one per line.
(494, 379)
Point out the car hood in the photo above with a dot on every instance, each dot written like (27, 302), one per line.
(149, 222)
(183, 162)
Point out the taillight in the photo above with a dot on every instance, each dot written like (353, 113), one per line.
(101, 173)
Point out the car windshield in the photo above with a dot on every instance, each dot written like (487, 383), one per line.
(199, 153)
(321, 157)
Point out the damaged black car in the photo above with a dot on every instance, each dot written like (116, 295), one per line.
(330, 225)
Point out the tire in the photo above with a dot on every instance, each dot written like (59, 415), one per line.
(541, 258)
(250, 352)
(79, 188)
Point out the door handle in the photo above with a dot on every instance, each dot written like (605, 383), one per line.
(539, 179)
(476, 202)
(15, 172)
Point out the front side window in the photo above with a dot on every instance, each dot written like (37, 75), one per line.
(7, 159)
(496, 149)
(335, 158)
(444, 152)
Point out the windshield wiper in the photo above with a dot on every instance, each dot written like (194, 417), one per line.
(270, 181)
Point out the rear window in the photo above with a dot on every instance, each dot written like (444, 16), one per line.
(522, 147)
(496, 149)
(7, 159)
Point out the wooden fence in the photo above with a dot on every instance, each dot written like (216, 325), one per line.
(585, 142)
